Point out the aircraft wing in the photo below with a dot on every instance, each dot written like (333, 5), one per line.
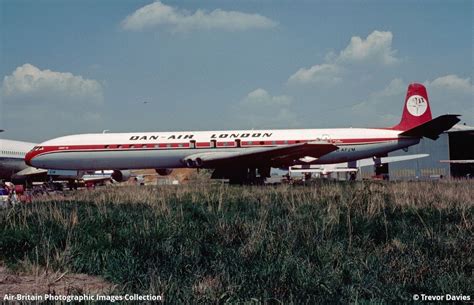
(273, 156)
(96, 178)
(348, 167)
(323, 170)
(457, 161)
(30, 171)
(383, 160)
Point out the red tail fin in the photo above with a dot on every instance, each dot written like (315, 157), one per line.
(417, 108)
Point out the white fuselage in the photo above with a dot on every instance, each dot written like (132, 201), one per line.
(12, 157)
(169, 149)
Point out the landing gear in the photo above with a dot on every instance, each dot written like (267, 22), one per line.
(242, 175)
(72, 184)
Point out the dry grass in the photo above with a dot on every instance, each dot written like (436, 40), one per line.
(327, 242)
(39, 281)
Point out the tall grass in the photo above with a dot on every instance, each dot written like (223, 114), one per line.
(330, 242)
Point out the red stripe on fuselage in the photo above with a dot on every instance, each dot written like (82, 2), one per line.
(183, 145)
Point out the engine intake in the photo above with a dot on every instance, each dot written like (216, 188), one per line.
(163, 171)
(197, 162)
(121, 176)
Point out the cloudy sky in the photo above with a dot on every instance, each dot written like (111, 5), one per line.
(86, 66)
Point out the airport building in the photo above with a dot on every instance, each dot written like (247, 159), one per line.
(455, 144)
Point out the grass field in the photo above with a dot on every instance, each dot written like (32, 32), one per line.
(330, 242)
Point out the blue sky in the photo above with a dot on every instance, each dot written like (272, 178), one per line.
(85, 66)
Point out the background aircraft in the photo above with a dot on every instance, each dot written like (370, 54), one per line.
(351, 167)
(12, 158)
(242, 155)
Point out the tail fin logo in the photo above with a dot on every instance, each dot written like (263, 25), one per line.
(416, 105)
(416, 109)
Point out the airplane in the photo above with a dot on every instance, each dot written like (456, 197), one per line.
(13, 167)
(12, 157)
(242, 156)
(352, 166)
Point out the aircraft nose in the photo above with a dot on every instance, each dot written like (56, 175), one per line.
(29, 156)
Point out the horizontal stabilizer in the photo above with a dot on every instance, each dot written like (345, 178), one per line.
(432, 129)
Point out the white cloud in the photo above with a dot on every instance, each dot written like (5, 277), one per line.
(159, 14)
(259, 109)
(261, 98)
(452, 82)
(376, 49)
(28, 84)
(55, 103)
(452, 94)
(325, 73)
